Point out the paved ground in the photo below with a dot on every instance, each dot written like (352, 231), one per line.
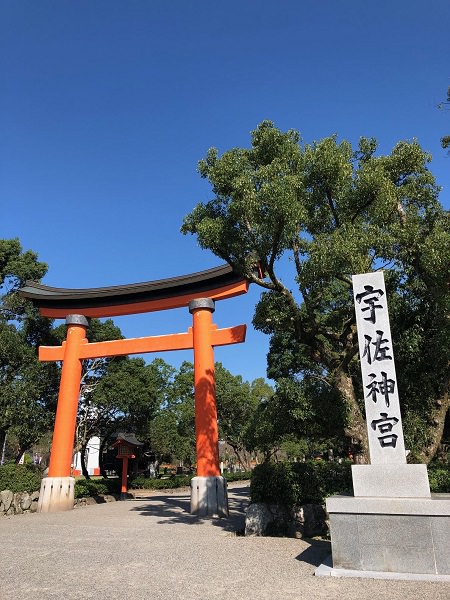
(152, 548)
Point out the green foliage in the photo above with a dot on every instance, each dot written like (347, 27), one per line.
(172, 432)
(237, 403)
(85, 488)
(147, 483)
(439, 477)
(19, 478)
(294, 448)
(120, 394)
(17, 266)
(177, 481)
(238, 476)
(293, 484)
(28, 388)
(275, 483)
(289, 416)
(133, 389)
(311, 215)
(310, 482)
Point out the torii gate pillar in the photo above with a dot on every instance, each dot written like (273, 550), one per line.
(57, 490)
(208, 489)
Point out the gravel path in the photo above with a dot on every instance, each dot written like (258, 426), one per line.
(151, 547)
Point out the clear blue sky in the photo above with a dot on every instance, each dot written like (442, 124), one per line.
(107, 106)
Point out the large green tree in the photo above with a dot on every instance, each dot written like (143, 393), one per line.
(288, 420)
(123, 394)
(311, 215)
(171, 434)
(27, 388)
(237, 405)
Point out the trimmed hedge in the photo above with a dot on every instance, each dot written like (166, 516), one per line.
(84, 488)
(311, 482)
(274, 483)
(238, 476)
(294, 484)
(20, 478)
(177, 481)
(150, 483)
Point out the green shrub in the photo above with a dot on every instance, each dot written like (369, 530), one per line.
(320, 479)
(299, 483)
(313, 481)
(439, 478)
(238, 476)
(19, 478)
(177, 481)
(85, 488)
(274, 483)
(148, 483)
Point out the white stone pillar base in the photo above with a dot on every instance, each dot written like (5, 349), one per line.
(209, 497)
(57, 494)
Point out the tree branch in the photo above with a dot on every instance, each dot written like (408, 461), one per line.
(401, 214)
(363, 207)
(275, 245)
(333, 208)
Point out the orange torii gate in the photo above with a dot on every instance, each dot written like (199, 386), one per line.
(199, 292)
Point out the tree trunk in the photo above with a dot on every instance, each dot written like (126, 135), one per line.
(19, 454)
(436, 425)
(356, 425)
(84, 470)
(238, 451)
(3, 435)
(103, 445)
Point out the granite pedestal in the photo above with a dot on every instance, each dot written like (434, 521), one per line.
(57, 494)
(385, 528)
(209, 497)
(404, 535)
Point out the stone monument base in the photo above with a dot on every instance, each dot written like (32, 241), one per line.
(209, 497)
(390, 535)
(326, 570)
(391, 480)
(57, 494)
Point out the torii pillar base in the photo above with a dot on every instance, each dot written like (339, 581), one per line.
(209, 497)
(57, 494)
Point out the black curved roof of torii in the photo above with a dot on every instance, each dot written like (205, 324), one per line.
(49, 299)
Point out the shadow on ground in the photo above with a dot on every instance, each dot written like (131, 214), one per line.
(316, 552)
(176, 509)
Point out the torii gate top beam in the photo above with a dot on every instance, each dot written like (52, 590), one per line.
(218, 284)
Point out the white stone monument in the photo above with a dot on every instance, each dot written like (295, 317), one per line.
(388, 473)
(392, 526)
